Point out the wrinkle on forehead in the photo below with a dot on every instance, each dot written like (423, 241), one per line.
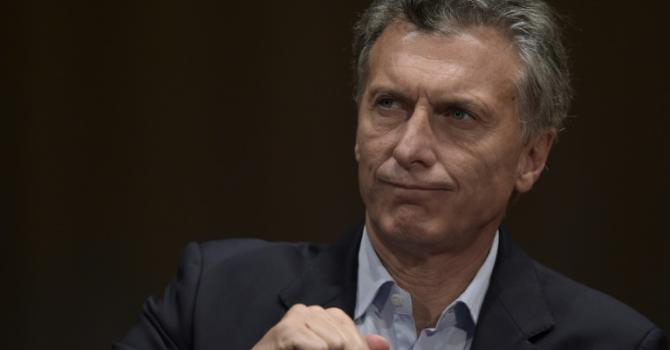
(406, 55)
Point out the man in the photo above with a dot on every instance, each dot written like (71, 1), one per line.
(459, 103)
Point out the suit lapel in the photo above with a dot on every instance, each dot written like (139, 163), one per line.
(515, 311)
(329, 278)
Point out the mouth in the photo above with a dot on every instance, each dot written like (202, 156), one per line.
(416, 186)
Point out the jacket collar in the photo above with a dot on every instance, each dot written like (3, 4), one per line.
(329, 278)
(514, 311)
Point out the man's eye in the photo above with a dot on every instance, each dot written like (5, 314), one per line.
(459, 114)
(387, 103)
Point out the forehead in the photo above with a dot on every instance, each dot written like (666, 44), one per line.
(478, 58)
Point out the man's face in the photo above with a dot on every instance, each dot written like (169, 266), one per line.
(439, 141)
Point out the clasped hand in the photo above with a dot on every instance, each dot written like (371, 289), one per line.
(315, 328)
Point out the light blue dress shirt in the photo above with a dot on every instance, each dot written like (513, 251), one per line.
(383, 308)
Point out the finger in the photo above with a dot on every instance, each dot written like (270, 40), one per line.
(354, 339)
(303, 339)
(295, 311)
(377, 342)
(327, 327)
(292, 333)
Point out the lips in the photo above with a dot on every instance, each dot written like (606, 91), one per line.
(417, 186)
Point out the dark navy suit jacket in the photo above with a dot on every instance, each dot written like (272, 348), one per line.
(227, 294)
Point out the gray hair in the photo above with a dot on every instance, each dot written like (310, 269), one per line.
(543, 87)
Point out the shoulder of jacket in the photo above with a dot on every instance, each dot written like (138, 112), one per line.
(574, 303)
(252, 254)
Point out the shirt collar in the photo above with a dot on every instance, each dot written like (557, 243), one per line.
(473, 295)
(372, 276)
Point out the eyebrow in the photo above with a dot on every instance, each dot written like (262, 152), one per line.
(382, 90)
(474, 104)
(471, 103)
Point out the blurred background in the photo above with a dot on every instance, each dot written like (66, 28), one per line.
(136, 127)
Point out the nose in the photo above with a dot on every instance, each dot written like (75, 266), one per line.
(415, 147)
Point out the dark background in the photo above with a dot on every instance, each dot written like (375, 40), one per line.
(135, 127)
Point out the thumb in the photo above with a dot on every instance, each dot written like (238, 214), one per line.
(377, 342)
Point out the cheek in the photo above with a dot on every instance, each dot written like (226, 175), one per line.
(483, 171)
(373, 150)
(368, 164)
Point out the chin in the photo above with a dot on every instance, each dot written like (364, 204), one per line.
(411, 227)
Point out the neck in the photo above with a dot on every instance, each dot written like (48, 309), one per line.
(433, 280)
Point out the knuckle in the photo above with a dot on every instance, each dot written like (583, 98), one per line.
(286, 327)
(297, 307)
(338, 314)
(314, 308)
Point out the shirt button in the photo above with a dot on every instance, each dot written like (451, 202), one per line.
(396, 300)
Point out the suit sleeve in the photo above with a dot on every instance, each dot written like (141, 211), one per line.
(654, 340)
(167, 322)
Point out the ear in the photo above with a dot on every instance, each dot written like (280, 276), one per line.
(533, 159)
